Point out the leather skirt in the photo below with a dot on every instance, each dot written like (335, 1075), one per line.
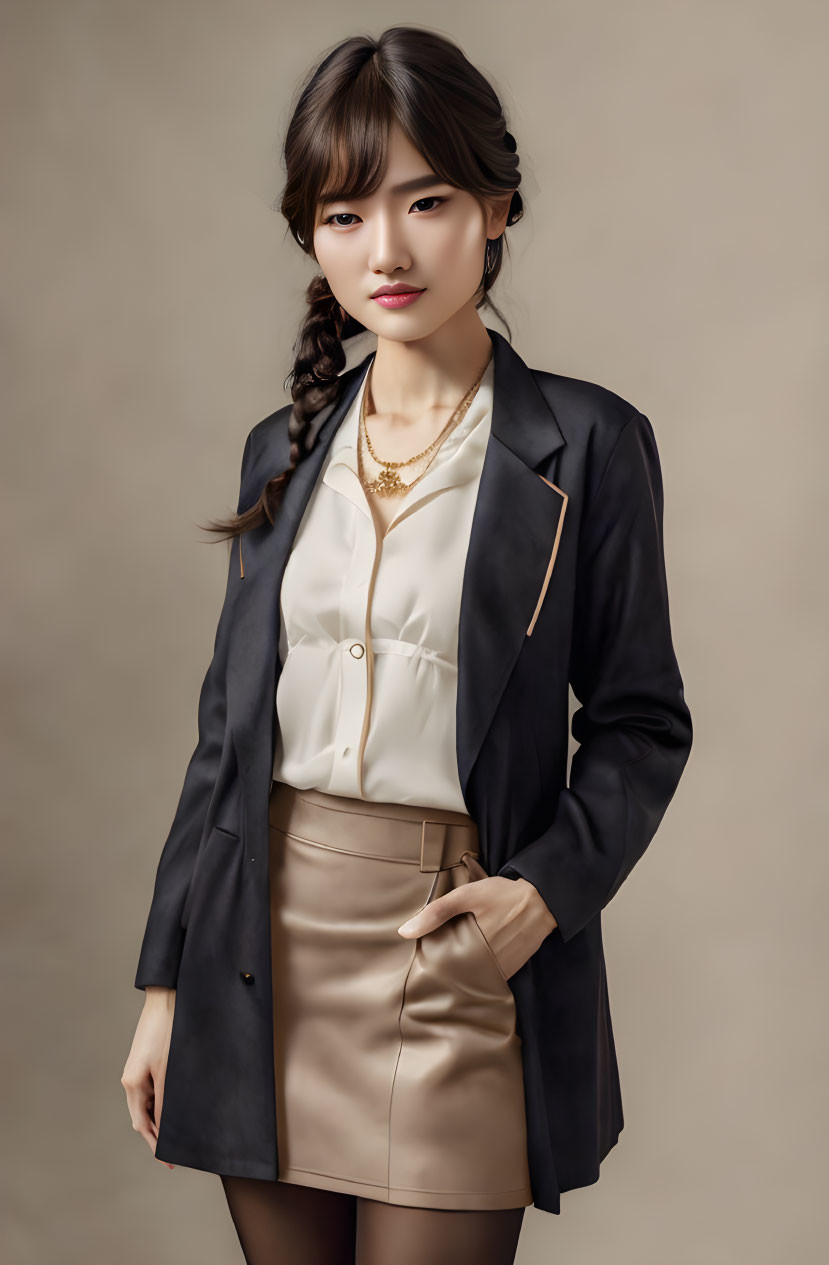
(397, 1063)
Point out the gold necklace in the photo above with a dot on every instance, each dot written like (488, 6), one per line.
(389, 483)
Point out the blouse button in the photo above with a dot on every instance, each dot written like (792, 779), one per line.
(358, 650)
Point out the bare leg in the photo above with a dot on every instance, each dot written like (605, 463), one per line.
(279, 1223)
(392, 1233)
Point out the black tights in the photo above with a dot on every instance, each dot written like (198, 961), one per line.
(279, 1223)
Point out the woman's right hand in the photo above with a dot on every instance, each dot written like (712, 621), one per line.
(146, 1066)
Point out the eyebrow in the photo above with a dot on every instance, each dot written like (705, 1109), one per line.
(407, 186)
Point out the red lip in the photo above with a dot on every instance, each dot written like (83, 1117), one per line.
(402, 299)
(400, 288)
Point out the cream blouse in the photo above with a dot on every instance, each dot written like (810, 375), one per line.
(369, 625)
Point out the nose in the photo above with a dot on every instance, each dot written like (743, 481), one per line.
(388, 250)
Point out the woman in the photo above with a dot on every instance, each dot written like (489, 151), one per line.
(376, 1000)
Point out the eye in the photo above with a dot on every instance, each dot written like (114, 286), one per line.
(429, 199)
(338, 215)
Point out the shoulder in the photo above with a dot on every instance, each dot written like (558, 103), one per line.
(268, 442)
(586, 411)
(272, 430)
(596, 423)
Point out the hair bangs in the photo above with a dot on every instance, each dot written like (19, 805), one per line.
(350, 155)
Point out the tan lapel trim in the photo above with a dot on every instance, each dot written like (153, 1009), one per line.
(552, 561)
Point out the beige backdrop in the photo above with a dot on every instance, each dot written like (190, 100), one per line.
(674, 250)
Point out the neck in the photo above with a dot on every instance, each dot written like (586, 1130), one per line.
(412, 379)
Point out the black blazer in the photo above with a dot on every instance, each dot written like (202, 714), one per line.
(564, 581)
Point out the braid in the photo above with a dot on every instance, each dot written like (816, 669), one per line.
(315, 382)
(319, 360)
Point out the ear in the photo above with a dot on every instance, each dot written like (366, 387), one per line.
(497, 213)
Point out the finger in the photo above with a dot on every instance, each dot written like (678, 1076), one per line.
(435, 914)
(152, 1119)
(141, 1103)
(150, 1116)
(158, 1103)
(142, 1122)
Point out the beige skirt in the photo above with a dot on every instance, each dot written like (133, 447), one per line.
(397, 1063)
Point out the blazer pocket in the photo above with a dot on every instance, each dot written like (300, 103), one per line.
(218, 837)
(553, 553)
(228, 834)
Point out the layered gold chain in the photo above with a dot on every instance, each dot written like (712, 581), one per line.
(388, 482)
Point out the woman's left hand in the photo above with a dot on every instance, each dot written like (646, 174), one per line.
(511, 913)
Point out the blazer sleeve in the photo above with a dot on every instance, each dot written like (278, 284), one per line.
(163, 941)
(633, 726)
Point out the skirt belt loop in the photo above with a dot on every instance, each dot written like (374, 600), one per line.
(432, 844)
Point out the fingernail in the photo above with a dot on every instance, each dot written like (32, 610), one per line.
(406, 926)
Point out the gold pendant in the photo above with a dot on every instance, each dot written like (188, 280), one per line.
(388, 484)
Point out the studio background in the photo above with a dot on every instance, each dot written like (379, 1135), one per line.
(673, 249)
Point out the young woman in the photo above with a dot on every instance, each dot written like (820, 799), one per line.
(376, 1000)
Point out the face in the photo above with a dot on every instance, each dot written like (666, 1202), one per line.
(415, 229)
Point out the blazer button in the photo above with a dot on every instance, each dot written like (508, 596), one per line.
(246, 976)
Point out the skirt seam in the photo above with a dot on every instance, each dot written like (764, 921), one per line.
(400, 1009)
(370, 856)
(414, 1190)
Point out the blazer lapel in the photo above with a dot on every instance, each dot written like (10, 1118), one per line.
(513, 545)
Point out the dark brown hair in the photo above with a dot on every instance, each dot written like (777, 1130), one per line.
(336, 143)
